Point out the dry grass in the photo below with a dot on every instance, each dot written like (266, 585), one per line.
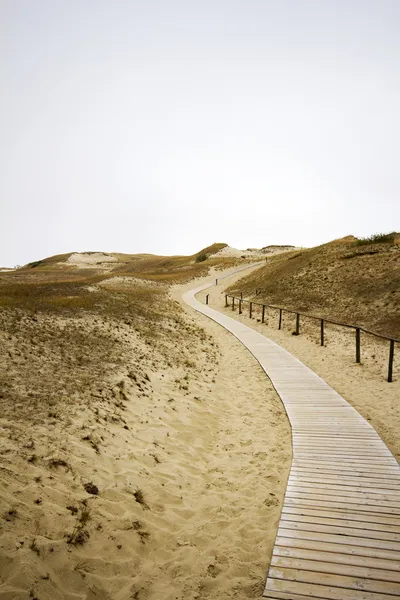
(340, 280)
(78, 362)
(171, 269)
(60, 331)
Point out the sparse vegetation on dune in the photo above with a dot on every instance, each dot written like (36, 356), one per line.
(377, 238)
(347, 281)
(100, 375)
(171, 269)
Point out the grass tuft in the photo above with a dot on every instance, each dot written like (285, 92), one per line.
(139, 497)
(91, 488)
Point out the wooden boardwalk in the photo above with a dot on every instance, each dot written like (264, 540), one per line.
(339, 533)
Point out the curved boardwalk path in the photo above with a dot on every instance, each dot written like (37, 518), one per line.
(339, 533)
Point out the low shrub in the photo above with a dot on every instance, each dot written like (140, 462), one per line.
(377, 238)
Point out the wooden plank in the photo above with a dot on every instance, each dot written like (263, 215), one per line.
(353, 432)
(346, 469)
(338, 546)
(343, 453)
(348, 477)
(336, 513)
(313, 456)
(345, 463)
(328, 421)
(335, 538)
(366, 482)
(299, 470)
(334, 504)
(321, 412)
(317, 437)
(357, 440)
(339, 490)
(356, 448)
(333, 488)
(319, 418)
(341, 530)
(296, 590)
(284, 596)
(320, 566)
(338, 581)
(345, 459)
(359, 450)
(330, 438)
(339, 417)
(366, 500)
(299, 466)
(340, 522)
(340, 558)
(322, 425)
(350, 467)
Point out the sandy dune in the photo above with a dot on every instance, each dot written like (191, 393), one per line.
(255, 253)
(162, 477)
(162, 483)
(91, 260)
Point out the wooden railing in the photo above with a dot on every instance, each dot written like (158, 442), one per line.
(358, 329)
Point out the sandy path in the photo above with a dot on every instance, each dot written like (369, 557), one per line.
(363, 386)
(246, 468)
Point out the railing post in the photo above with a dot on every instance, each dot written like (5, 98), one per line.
(251, 309)
(226, 300)
(233, 302)
(207, 298)
(280, 319)
(391, 355)
(297, 323)
(322, 332)
(241, 295)
(358, 349)
(263, 313)
(216, 282)
(240, 306)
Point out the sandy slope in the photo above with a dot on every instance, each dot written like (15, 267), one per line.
(254, 252)
(363, 385)
(187, 457)
(92, 260)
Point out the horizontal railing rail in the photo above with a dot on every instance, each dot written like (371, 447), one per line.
(358, 329)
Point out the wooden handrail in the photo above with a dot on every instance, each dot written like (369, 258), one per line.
(322, 320)
(296, 312)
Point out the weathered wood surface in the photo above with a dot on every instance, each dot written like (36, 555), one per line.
(339, 533)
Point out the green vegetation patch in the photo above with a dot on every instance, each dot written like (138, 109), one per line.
(377, 238)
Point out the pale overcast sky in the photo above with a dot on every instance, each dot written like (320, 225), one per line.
(165, 125)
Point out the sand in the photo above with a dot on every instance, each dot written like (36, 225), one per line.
(363, 385)
(127, 281)
(165, 482)
(91, 260)
(255, 253)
